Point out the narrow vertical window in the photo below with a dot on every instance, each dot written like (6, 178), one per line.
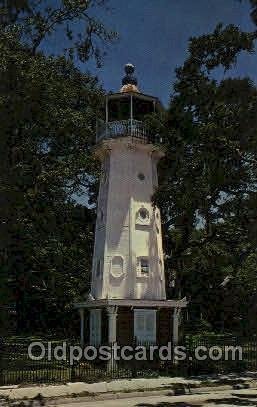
(95, 327)
(99, 268)
(145, 325)
(143, 268)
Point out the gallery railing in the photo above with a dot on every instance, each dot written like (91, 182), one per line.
(125, 128)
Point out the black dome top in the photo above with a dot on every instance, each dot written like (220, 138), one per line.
(129, 78)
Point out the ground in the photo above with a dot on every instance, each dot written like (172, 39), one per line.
(216, 399)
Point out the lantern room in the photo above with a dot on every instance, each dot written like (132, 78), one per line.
(125, 112)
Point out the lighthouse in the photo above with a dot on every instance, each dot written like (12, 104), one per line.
(128, 297)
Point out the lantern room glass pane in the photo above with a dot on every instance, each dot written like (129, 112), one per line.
(125, 109)
(113, 110)
(142, 108)
(119, 109)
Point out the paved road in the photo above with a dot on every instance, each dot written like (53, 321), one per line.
(239, 398)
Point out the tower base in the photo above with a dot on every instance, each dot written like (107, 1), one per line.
(123, 321)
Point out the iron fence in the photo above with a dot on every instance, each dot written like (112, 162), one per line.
(16, 366)
(220, 355)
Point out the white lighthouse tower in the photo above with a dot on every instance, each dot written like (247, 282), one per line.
(128, 279)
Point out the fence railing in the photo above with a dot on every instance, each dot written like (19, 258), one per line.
(221, 355)
(16, 366)
(125, 128)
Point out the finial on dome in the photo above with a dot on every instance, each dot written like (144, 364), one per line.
(129, 82)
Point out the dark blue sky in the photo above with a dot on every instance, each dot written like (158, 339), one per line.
(154, 36)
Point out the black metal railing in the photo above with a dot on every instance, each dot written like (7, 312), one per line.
(126, 128)
(228, 354)
(16, 366)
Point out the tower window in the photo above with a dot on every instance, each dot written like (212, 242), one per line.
(141, 176)
(99, 268)
(100, 215)
(117, 266)
(143, 213)
(104, 177)
(143, 216)
(143, 267)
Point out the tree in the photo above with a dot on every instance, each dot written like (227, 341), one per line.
(34, 21)
(48, 111)
(208, 180)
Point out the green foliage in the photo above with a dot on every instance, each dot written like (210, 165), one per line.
(48, 111)
(34, 21)
(198, 328)
(219, 48)
(208, 181)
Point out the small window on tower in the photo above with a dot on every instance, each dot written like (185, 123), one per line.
(117, 268)
(104, 177)
(143, 214)
(143, 217)
(100, 215)
(99, 268)
(143, 266)
(141, 176)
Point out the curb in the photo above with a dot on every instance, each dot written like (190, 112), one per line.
(138, 394)
(171, 389)
(134, 394)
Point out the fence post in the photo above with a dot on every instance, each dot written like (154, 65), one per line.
(134, 368)
(189, 361)
(72, 373)
(1, 361)
(240, 363)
